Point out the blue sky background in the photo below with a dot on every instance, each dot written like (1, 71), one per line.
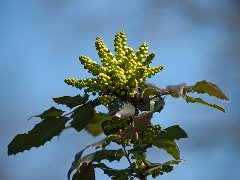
(195, 40)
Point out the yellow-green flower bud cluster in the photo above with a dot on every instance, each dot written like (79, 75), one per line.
(103, 52)
(91, 65)
(155, 173)
(141, 162)
(74, 82)
(165, 168)
(142, 52)
(120, 74)
(115, 125)
(120, 42)
(106, 100)
(120, 176)
(148, 134)
(127, 142)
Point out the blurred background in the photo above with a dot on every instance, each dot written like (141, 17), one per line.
(194, 39)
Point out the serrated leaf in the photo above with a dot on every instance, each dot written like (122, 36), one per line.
(86, 172)
(173, 162)
(156, 104)
(150, 91)
(82, 116)
(100, 144)
(170, 146)
(121, 109)
(95, 128)
(51, 112)
(153, 167)
(110, 171)
(97, 156)
(201, 101)
(209, 88)
(177, 90)
(71, 101)
(41, 133)
(157, 166)
(165, 167)
(140, 148)
(150, 85)
(172, 133)
(140, 123)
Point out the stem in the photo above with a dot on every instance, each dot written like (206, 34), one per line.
(126, 154)
(139, 175)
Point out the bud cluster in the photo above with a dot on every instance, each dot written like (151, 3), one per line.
(148, 134)
(120, 74)
(141, 161)
(120, 176)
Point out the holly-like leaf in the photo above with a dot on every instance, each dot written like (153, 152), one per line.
(140, 123)
(170, 146)
(100, 144)
(86, 172)
(173, 162)
(164, 168)
(82, 116)
(95, 128)
(209, 88)
(177, 90)
(41, 133)
(140, 148)
(71, 101)
(172, 133)
(156, 104)
(110, 171)
(51, 112)
(201, 101)
(98, 156)
(121, 109)
(150, 91)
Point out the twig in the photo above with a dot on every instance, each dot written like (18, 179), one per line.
(126, 154)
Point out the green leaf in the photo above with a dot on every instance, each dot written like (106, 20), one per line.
(52, 112)
(156, 104)
(177, 90)
(86, 172)
(41, 133)
(164, 168)
(140, 123)
(71, 101)
(95, 128)
(173, 162)
(98, 156)
(150, 91)
(121, 109)
(100, 144)
(172, 133)
(170, 146)
(82, 116)
(140, 148)
(110, 171)
(209, 88)
(201, 101)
